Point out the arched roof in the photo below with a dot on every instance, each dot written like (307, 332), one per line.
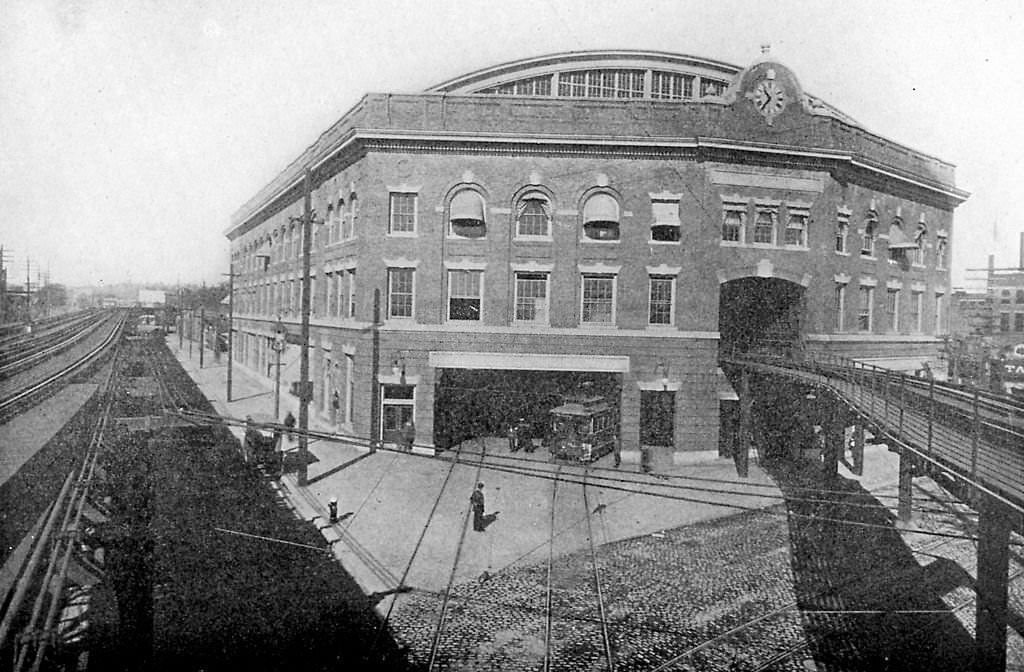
(612, 74)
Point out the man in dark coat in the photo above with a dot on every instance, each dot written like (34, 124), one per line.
(476, 500)
(289, 423)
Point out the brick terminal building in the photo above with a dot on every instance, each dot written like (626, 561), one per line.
(610, 219)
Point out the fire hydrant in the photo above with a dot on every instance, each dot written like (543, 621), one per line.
(332, 510)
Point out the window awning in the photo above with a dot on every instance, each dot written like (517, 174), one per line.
(601, 208)
(898, 240)
(467, 205)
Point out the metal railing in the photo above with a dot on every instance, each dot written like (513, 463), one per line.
(975, 433)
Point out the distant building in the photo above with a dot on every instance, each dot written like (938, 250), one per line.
(607, 218)
(152, 298)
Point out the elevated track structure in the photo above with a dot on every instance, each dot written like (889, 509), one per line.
(970, 440)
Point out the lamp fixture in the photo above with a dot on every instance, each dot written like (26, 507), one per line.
(663, 365)
(398, 367)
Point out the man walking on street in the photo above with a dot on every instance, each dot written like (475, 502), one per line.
(289, 423)
(476, 501)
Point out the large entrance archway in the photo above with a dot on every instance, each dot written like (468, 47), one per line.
(758, 314)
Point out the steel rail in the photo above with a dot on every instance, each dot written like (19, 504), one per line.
(551, 561)
(25, 362)
(25, 580)
(442, 616)
(48, 343)
(415, 551)
(38, 387)
(597, 580)
(54, 588)
(51, 567)
(72, 536)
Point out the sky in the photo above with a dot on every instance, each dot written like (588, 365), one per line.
(130, 131)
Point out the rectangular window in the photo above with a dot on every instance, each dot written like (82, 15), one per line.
(939, 317)
(733, 219)
(796, 227)
(464, 294)
(661, 299)
(839, 306)
(400, 288)
(1018, 321)
(865, 311)
(532, 298)
(338, 295)
(403, 213)
(671, 85)
(892, 308)
(572, 84)
(349, 305)
(598, 299)
(916, 300)
(764, 227)
(665, 228)
(842, 229)
(1004, 321)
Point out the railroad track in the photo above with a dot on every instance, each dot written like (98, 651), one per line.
(14, 401)
(20, 352)
(41, 575)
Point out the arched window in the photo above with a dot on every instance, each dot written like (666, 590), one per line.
(533, 215)
(920, 238)
(900, 247)
(601, 217)
(466, 215)
(329, 223)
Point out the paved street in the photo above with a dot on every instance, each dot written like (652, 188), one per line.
(698, 569)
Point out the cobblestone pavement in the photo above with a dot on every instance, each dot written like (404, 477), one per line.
(772, 590)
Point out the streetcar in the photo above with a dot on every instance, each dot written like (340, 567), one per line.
(582, 429)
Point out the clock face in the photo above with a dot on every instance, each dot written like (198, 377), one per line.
(769, 99)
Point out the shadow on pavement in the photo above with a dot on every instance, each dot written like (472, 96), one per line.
(855, 584)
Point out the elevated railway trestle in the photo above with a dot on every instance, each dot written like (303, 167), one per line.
(970, 440)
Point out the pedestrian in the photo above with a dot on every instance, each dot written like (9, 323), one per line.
(513, 438)
(252, 437)
(617, 452)
(408, 434)
(476, 500)
(289, 424)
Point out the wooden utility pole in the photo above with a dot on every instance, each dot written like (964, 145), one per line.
(375, 419)
(305, 386)
(202, 333)
(231, 322)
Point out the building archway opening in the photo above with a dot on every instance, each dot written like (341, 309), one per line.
(476, 403)
(760, 315)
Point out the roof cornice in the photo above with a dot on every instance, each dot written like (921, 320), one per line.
(437, 140)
